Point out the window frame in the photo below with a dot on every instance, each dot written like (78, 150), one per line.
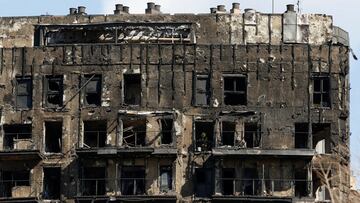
(48, 92)
(322, 78)
(28, 94)
(87, 79)
(197, 90)
(234, 91)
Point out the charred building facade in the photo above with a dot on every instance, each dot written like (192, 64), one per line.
(221, 107)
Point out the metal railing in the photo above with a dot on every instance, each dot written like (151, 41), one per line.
(19, 189)
(99, 141)
(18, 141)
(119, 186)
(263, 187)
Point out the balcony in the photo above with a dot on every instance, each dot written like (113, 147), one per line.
(17, 189)
(280, 190)
(124, 189)
(19, 146)
(134, 142)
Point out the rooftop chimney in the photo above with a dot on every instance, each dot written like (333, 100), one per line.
(126, 9)
(72, 11)
(290, 8)
(235, 9)
(213, 10)
(221, 8)
(152, 8)
(81, 10)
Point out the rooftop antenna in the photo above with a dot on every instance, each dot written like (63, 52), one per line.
(298, 6)
(273, 6)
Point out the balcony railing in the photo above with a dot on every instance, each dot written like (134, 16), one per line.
(263, 187)
(119, 186)
(18, 189)
(18, 141)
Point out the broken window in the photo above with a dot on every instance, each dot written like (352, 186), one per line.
(228, 181)
(132, 89)
(203, 182)
(23, 92)
(132, 180)
(92, 93)
(134, 132)
(301, 183)
(252, 135)
(53, 137)
(321, 91)
(321, 137)
(228, 133)
(53, 91)
(165, 178)
(17, 137)
(51, 183)
(166, 131)
(14, 183)
(235, 88)
(301, 135)
(251, 183)
(93, 182)
(204, 133)
(95, 134)
(202, 90)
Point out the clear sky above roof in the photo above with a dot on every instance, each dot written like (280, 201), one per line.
(345, 14)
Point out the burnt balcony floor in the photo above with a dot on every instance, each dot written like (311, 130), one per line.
(18, 155)
(305, 153)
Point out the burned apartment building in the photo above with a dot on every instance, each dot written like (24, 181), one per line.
(236, 106)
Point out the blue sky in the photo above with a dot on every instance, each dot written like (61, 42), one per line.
(345, 14)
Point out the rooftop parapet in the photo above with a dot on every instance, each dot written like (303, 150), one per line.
(216, 27)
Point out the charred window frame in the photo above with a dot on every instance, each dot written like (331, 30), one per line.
(133, 131)
(166, 179)
(51, 183)
(228, 181)
(53, 90)
(132, 89)
(53, 136)
(203, 178)
(202, 92)
(203, 135)
(252, 135)
(16, 133)
(23, 92)
(92, 90)
(321, 90)
(235, 89)
(167, 131)
(95, 133)
(228, 132)
(93, 181)
(301, 135)
(132, 180)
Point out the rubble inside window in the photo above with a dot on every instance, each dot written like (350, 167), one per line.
(235, 90)
(321, 90)
(228, 132)
(23, 92)
(301, 135)
(167, 131)
(202, 90)
(18, 137)
(15, 183)
(93, 181)
(132, 180)
(53, 136)
(113, 33)
(165, 178)
(95, 133)
(204, 134)
(51, 185)
(132, 89)
(53, 91)
(252, 135)
(134, 132)
(92, 92)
